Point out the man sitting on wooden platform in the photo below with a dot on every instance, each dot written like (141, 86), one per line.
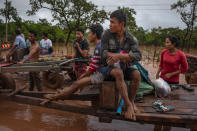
(89, 77)
(118, 65)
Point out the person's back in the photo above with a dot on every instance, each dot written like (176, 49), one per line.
(20, 42)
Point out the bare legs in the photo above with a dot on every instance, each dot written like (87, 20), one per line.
(122, 88)
(66, 92)
(134, 86)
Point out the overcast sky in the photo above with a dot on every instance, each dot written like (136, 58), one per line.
(150, 13)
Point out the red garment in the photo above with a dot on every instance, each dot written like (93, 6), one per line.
(171, 63)
(80, 68)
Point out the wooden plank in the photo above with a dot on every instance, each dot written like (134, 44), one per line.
(54, 105)
(177, 111)
(184, 97)
(82, 97)
(183, 92)
(176, 103)
(153, 118)
(18, 90)
(32, 68)
(5, 90)
(108, 95)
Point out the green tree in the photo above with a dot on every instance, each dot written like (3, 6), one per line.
(188, 11)
(131, 23)
(10, 13)
(70, 14)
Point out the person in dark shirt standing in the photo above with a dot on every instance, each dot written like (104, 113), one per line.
(119, 65)
(81, 51)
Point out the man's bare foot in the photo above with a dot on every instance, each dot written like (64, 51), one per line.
(59, 90)
(136, 110)
(50, 96)
(129, 113)
(45, 101)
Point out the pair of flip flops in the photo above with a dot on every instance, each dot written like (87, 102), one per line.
(160, 107)
(185, 87)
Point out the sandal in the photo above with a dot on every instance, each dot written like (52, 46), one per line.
(163, 108)
(188, 87)
(157, 104)
(173, 87)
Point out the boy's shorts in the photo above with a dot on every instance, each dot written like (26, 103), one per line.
(127, 71)
(81, 68)
(97, 78)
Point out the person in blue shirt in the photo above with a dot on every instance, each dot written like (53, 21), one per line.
(17, 46)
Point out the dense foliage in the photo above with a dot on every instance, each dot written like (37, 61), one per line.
(75, 15)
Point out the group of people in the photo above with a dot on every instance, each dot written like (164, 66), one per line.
(115, 53)
(20, 45)
(116, 50)
(18, 51)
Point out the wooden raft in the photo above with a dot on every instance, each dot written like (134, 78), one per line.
(105, 103)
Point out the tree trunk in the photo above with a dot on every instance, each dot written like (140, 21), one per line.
(67, 39)
(192, 27)
(6, 20)
(185, 38)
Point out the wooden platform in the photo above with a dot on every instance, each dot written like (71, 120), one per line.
(184, 115)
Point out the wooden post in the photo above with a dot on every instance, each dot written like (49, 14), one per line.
(108, 95)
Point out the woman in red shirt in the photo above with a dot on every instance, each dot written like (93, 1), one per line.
(172, 62)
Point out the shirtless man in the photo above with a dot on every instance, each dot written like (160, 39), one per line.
(91, 76)
(33, 57)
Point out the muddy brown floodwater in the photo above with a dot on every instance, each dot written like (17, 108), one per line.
(23, 117)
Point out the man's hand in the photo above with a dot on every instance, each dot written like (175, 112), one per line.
(77, 44)
(112, 58)
(168, 75)
(82, 76)
(157, 76)
(7, 58)
(20, 63)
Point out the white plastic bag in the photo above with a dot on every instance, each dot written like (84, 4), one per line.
(162, 88)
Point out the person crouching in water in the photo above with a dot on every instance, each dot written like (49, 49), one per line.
(33, 57)
(91, 76)
(172, 61)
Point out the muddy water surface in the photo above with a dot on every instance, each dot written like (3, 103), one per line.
(21, 117)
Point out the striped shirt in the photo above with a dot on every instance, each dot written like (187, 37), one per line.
(96, 59)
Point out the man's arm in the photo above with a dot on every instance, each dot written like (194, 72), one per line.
(84, 50)
(104, 46)
(134, 53)
(84, 53)
(30, 55)
(16, 43)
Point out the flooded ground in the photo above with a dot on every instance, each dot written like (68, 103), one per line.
(22, 117)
